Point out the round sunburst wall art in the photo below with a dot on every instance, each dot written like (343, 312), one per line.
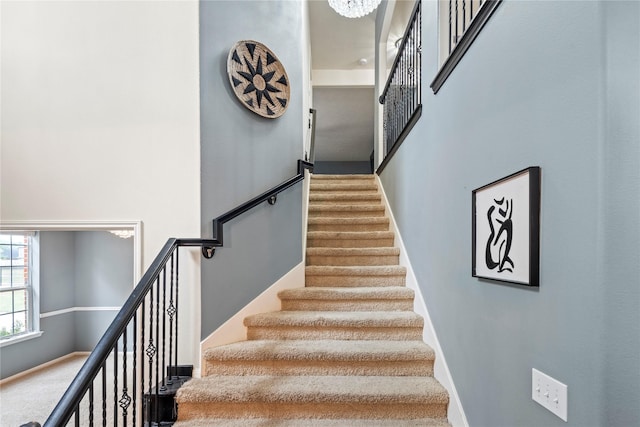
(258, 79)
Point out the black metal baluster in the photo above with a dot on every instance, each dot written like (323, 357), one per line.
(171, 312)
(104, 394)
(125, 400)
(151, 350)
(419, 50)
(164, 323)
(77, 416)
(91, 405)
(115, 385)
(145, 403)
(177, 305)
(450, 24)
(134, 367)
(464, 17)
(471, 11)
(456, 39)
(157, 383)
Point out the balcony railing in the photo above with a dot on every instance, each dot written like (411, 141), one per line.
(402, 95)
(465, 20)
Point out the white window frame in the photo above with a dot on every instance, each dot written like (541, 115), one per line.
(32, 288)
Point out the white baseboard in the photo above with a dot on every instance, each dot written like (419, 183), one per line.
(43, 366)
(455, 414)
(233, 330)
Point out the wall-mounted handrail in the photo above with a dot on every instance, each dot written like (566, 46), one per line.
(267, 196)
(312, 145)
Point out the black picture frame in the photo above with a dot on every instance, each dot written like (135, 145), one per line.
(506, 229)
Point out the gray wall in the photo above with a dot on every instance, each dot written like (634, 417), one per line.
(244, 155)
(553, 84)
(77, 269)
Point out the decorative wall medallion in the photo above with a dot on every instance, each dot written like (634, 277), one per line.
(258, 79)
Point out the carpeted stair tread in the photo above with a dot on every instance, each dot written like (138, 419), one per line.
(310, 422)
(330, 177)
(345, 252)
(312, 389)
(354, 235)
(325, 350)
(345, 270)
(341, 298)
(349, 221)
(334, 293)
(342, 186)
(318, 319)
(338, 196)
(329, 209)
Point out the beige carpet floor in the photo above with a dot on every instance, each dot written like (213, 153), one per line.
(34, 396)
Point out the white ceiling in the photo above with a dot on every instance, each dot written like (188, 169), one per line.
(344, 128)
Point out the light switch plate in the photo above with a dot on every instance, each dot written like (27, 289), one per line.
(550, 393)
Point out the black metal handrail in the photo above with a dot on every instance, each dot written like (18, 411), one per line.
(269, 196)
(128, 329)
(402, 94)
(116, 335)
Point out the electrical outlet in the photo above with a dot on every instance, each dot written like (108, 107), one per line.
(550, 393)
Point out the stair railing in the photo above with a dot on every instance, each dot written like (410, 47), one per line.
(146, 325)
(402, 94)
(270, 196)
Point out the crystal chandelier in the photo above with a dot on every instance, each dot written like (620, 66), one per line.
(124, 234)
(354, 8)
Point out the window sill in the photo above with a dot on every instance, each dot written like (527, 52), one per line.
(20, 338)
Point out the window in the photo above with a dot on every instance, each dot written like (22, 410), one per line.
(16, 290)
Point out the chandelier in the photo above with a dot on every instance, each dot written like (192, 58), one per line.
(354, 8)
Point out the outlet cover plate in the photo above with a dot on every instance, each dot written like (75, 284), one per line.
(550, 393)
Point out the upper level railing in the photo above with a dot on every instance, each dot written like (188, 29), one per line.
(123, 380)
(402, 95)
(465, 20)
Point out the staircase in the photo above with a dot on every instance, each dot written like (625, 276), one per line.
(345, 350)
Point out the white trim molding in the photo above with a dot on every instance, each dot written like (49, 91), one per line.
(76, 309)
(455, 415)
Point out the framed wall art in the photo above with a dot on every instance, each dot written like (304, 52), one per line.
(506, 229)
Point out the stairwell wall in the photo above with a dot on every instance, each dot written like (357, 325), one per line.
(244, 155)
(552, 84)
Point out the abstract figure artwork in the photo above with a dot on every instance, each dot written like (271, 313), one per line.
(506, 229)
(258, 79)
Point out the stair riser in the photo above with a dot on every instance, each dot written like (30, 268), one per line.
(329, 280)
(349, 243)
(384, 226)
(349, 305)
(327, 333)
(354, 212)
(353, 260)
(420, 368)
(327, 410)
